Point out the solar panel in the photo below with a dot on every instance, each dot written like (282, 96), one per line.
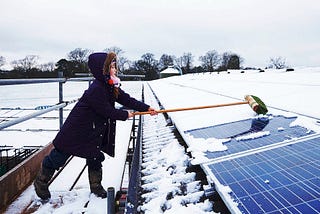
(283, 179)
(277, 127)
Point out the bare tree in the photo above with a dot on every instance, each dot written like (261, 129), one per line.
(115, 49)
(50, 66)
(230, 61)
(148, 65)
(123, 64)
(185, 62)
(165, 61)
(225, 57)
(25, 64)
(2, 61)
(79, 55)
(78, 60)
(210, 61)
(277, 62)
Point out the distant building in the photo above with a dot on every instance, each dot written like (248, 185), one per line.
(171, 71)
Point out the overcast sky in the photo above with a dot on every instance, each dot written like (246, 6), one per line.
(254, 29)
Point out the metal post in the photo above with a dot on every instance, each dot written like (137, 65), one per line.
(134, 133)
(60, 75)
(111, 201)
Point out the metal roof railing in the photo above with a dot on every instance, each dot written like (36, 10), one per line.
(61, 104)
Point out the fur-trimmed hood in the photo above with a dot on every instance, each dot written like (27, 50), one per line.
(111, 58)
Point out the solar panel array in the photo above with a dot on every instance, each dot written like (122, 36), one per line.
(276, 173)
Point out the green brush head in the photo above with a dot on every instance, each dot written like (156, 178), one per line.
(262, 108)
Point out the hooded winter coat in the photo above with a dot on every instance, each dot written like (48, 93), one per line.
(91, 125)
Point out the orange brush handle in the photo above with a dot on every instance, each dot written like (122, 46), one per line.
(192, 108)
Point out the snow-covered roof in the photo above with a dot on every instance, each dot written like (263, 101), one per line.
(171, 70)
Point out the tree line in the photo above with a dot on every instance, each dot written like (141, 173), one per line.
(76, 64)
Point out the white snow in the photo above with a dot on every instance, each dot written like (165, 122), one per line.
(170, 70)
(204, 145)
(253, 135)
(294, 93)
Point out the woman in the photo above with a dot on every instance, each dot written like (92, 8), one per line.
(90, 127)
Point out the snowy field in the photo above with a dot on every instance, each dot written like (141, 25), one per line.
(294, 93)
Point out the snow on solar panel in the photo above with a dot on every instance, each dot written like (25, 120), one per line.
(284, 179)
(276, 129)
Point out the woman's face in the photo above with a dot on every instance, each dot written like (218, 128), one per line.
(113, 69)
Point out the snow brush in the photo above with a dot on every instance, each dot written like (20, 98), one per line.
(254, 102)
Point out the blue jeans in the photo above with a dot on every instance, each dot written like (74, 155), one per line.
(57, 159)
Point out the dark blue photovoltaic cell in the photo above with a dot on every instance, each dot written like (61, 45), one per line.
(281, 180)
(278, 127)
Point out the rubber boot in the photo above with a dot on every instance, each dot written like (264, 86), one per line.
(95, 178)
(41, 183)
